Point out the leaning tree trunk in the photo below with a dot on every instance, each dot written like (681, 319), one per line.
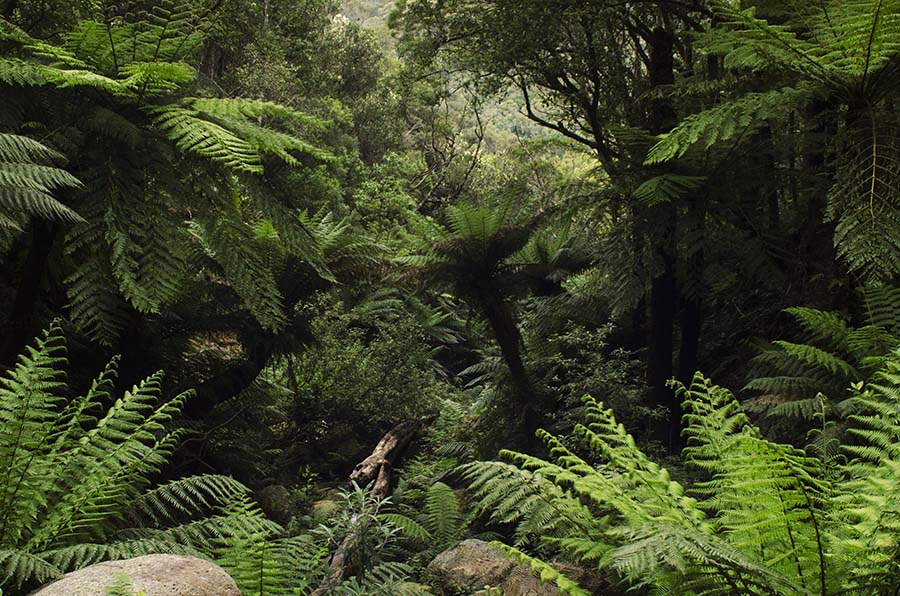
(233, 379)
(501, 318)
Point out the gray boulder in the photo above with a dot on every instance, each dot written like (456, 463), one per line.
(154, 575)
(473, 564)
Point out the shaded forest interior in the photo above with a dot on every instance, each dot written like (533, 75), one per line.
(327, 292)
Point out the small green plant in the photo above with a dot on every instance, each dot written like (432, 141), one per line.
(440, 524)
(371, 537)
(121, 586)
(371, 540)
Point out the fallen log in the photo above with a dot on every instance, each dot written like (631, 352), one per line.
(377, 467)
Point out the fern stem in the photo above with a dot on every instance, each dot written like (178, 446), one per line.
(875, 19)
(790, 533)
(112, 48)
(820, 549)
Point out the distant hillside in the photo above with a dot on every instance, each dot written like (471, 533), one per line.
(502, 118)
(371, 13)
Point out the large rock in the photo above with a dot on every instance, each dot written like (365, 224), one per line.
(473, 564)
(154, 575)
(276, 501)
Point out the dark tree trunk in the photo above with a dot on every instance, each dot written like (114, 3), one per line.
(501, 318)
(20, 323)
(660, 345)
(661, 235)
(662, 72)
(691, 325)
(692, 295)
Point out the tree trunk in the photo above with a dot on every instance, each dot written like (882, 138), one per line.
(661, 236)
(500, 316)
(691, 325)
(692, 295)
(377, 466)
(231, 381)
(20, 323)
(660, 346)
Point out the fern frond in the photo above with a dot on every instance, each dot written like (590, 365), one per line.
(726, 122)
(545, 572)
(667, 187)
(237, 143)
(265, 564)
(863, 200)
(76, 473)
(20, 566)
(882, 305)
(234, 248)
(148, 252)
(27, 184)
(95, 306)
(194, 134)
(443, 515)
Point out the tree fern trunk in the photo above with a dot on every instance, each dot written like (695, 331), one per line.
(20, 324)
(503, 323)
(233, 379)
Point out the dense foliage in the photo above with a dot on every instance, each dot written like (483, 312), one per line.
(376, 243)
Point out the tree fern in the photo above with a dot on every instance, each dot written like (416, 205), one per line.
(835, 51)
(158, 156)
